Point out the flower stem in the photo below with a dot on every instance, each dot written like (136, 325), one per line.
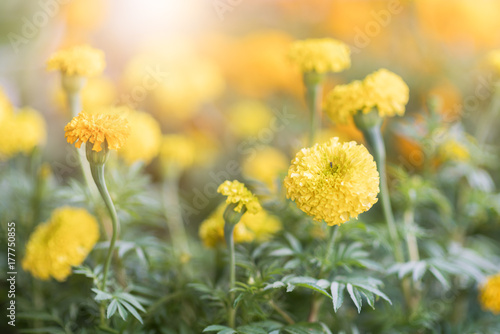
(98, 175)
(314, 92)
(228, 235)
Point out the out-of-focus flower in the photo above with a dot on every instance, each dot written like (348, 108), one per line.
(143, 143)
(20, 132)
(260, 227)
(382, 90)
(207, 147)
(97, 129)
(248, 118)
(489, 294)
(410, 151)
(333, 181)
(450, 100)
(452, 150)
(98, 92)
(80, 60)
(492, 61)
(62, 242)
(211, 230)
(257, 74)
(177, 152)
(237, 193)
(265, 165)
(6, 108)
(320, 55)
(460, 22)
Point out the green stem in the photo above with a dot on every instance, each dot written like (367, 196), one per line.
(228, 235)
(281, 312)
(411, 239)
(314, 92)
(98, 175)
(374, 139)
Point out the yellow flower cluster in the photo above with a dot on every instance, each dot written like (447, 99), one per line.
(248, 118)
(333, 181)
(237, 193)
(143, 143)
(177, 151)
(80, 60)
(97, 129)
(382, 90)
(265, 166)
(320, 55)
(62, 242)
(259, 227)
(490, 294)
(493, 61)
(20, 132)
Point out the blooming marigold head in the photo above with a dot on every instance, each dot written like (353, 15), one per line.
(320, 55)
(80, 60)
(62, 242)
(97, 129)
(238, 194)
(382, 90)
(333, 181)
(489, 294)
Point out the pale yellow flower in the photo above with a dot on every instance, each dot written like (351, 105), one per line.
(265, 166)
(489, 295)
(96, 129)
(237, 193)
(320, 55)
(20, 132)
(80, 60)
(177, 151)
(62, 242)
(249, 118)
(333, 181)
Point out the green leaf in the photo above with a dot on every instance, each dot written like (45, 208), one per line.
(294, 243)
(355, 296)
(122, 311)
(248, 329)
(314, 287)
(419, 270)
(282, 252)
(101, 295)
(112, 307)
(131, 299)
(219, 329)
(132, 310)
(374, 290)
(440, 277)
(50, 330)
(369, 297)
(337, 290)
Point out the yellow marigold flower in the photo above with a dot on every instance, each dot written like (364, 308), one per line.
(177, 151)
(144, 141)
(320, 55)
(97, 129)
(5, 105)
(333, 181)
(265, 166)
(237, 193)
(492, 60)
(344, 100)
(21, 132)
(382, 90)
(259, 227)
(453, 150)
(80, 60)
(387, 92)
(248, 118)
(490, 294)
(62, 242)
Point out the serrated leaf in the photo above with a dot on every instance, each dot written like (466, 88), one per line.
(314, 287)
(112, 307)
(131, 299)
(370, 299)
(219, 329)
(132, 310)
(355, 296)
(294, 243)
(375, 291)
(337, 290)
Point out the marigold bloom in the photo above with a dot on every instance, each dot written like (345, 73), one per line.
(5, 105)
(333, 181)
(20, 132)
(144, 141)
(80, 60)
(252, 227)
(62, 242)
(265, 165)
(96, 129)
(177, 151)
(320, 55)
(248, 118)
(237, 193)
(490, 294)
(382, 90)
